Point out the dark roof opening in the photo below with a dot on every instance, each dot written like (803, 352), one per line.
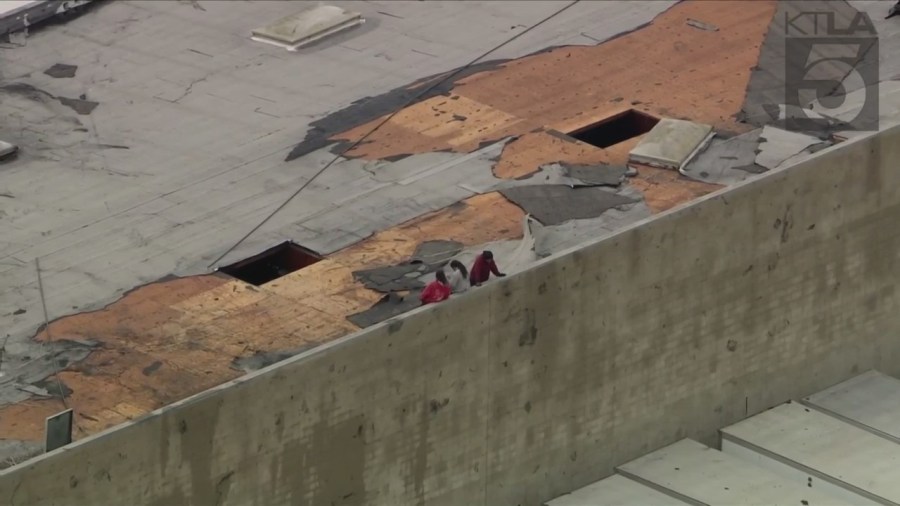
(272, 264)
(615, 129)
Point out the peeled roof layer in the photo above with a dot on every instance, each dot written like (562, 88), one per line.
(164, 341)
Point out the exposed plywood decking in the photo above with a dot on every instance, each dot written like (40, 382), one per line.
(226, 136)
(815, 443)
(215, 119)
(168, 340)
(708, 476)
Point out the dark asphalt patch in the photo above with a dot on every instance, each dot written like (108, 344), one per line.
(61, 70)
(557, 204)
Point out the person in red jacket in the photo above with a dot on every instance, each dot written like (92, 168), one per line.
(482, 268)
(437, 290)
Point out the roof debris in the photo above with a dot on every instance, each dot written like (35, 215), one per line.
(377, 210)
(61, 70)
(557, 204)
(391, 305)
(701, 25)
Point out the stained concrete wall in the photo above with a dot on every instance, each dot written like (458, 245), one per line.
(540, 383)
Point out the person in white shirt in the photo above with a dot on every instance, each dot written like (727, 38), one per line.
(459, 277)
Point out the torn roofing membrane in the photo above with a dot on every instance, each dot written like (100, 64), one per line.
(431, 173)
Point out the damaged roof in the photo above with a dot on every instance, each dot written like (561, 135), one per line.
(114, 214)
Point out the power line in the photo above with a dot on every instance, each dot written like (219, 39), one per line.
(380, 124)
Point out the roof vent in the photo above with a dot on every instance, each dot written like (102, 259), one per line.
(301, 29)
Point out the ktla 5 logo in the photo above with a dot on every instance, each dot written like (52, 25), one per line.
(831, 71)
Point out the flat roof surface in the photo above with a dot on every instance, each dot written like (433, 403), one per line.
(706, 475)
(802, 436)
(176, 135)
(616, 490)
(7, 6)
(870, 400)
(200, 132)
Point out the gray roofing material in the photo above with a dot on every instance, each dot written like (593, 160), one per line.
(184, 152)
(557, 204)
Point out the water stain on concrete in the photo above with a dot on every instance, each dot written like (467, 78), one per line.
(435, 405)
(529, 335)
(336, 461)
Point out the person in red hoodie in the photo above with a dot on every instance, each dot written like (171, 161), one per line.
(482, 268)
(437, 290)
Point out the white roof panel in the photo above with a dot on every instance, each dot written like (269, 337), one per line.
(616, 490)
(870, 400)
(808, 439)
(695, 471)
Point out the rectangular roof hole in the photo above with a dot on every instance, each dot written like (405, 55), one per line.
(615, 129)
(272, 263)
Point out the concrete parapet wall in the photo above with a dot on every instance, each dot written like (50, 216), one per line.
(540, 383)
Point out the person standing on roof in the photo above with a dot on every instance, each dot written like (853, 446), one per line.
(436, 291)
(459, 277)
(483, 267)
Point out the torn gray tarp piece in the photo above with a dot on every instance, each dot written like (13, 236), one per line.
(28, 376)
(389, 306)
(724, 160)
(776, 146)
(436, 252)
(549, 240)
(394, 278)
(556, 204)
(556, 173)
(595, 175)
(428, 257)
